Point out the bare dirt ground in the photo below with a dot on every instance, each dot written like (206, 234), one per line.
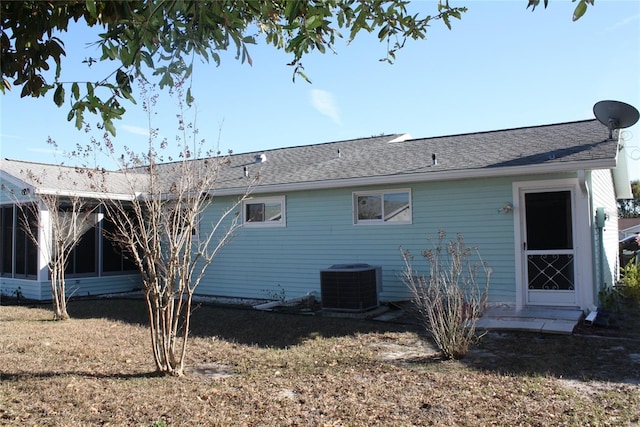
(254, 368)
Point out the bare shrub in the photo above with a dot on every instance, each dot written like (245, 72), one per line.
(449, 299)
(164, 225)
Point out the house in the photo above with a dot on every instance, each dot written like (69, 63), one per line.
(538, 202)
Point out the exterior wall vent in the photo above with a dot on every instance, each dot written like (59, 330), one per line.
(350, 287)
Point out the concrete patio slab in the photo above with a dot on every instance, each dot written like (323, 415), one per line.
(534, 319)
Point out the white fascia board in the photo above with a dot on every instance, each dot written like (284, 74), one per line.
(423, 177)
(87, 194)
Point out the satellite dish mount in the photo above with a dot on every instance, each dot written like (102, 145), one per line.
(615, 115)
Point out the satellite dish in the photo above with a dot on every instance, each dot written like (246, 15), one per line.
(615, 115)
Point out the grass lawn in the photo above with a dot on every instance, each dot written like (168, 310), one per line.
(271, 369)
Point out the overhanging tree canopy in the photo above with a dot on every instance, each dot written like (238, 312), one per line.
(162, 38)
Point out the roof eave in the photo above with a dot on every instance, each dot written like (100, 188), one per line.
(85, 194)
(565, 167)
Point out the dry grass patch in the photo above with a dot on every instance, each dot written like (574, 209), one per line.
(254, 368)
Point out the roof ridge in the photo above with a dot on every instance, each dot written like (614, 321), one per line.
(391, 135)
(484, 132)
(272, 150)
(29, 162)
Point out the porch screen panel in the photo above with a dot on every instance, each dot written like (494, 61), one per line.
(85, 253)
(26, 253)
(6, 236)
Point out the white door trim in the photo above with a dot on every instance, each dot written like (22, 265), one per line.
(581, 233)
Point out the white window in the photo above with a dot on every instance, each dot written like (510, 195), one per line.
(382, 207)
(264, 212)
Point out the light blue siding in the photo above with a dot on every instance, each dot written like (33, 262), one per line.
(320, 232)
(90, 286)
(605, 249)
(75, 287)
(24, 288)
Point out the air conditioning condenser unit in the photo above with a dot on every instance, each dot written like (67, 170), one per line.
(350, 287)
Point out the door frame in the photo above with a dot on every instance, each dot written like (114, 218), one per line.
(583, 263)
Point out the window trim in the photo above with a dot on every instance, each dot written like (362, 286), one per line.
(380, 193)
(265, 224)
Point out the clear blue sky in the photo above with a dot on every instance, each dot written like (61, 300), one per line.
(500, 67)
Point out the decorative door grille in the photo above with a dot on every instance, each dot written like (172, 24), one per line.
(551, 272)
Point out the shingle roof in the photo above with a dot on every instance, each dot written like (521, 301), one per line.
(45, 177)
(558, 147)
(539, 149)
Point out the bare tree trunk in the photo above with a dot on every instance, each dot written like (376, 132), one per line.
(154, 326)
(185, 334)
(155, 225)
(58, 288)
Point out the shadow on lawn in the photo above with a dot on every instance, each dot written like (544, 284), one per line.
(238, 324)
(601, 358)
(21, 376)
(607, 357)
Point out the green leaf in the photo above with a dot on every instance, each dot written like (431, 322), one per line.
(313, 22)
(188, 71)
(291, 10)
(75, 90)
(109, 127)
(122, 79)
(26, 91)
(128, 95)
(341, 19)
(580, 10)
(303, 75)
(79, 121)
(384, 31)
(190, 98)
(166, 80)
(58, 96)
(91, 7)
(70, 115)
(108, 51)
(146, 58)
(445, 19)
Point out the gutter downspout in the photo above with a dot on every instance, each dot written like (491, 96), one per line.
(601, 218)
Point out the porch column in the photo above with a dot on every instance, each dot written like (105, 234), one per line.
(44, 248)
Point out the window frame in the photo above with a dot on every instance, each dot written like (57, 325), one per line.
(264, 200)
(381, 194)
